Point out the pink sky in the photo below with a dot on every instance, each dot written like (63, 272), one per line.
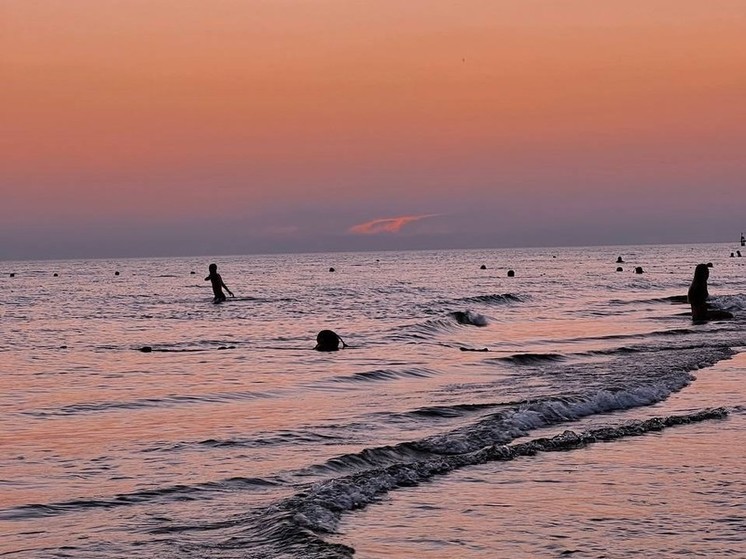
(164, 126)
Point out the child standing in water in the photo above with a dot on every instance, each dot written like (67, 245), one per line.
(217, 285)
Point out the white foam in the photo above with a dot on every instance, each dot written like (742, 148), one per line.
(733, 303)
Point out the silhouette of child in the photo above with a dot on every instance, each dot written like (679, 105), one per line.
(217, 285)
(697, 297)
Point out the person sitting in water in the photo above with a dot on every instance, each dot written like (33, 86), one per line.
(217, 285)
(698, 295)
(328, 340)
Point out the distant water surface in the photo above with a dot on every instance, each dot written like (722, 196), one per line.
(233, 438)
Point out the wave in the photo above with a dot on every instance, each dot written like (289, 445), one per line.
(281, 438)
(733, 303)
(639, 336)
(470, 318)
(530, 358)
(540, 358)
(165, 401)
(383, 375)
(429, 328)
(179, 492)
(671, 299)
(456, 410)
(495, 299)
(297, 525)
(682, 345)
(655, 381)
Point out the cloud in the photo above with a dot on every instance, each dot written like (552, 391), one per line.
(386, 225)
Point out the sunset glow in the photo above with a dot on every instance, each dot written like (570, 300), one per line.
(316, 116)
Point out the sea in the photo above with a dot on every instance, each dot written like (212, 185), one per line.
(570, 409)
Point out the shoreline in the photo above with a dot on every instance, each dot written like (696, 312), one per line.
(665, 494)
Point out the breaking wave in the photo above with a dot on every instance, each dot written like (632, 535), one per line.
(296, 526)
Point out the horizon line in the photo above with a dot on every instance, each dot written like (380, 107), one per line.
(364, 250)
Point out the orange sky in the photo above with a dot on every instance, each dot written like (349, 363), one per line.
(364, 110)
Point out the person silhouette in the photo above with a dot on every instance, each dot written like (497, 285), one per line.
(328, 340)
(697, 297)
(217, 285)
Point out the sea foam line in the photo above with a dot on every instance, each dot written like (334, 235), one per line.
(295, 526)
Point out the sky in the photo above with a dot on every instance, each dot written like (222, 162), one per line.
(185, 127)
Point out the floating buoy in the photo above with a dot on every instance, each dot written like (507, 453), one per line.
(639, 270)
(511, 273)
(116, 273)
(483, 267)
(619, 269)
(332, 270)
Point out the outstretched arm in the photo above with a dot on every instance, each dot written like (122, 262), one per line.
(226, 288)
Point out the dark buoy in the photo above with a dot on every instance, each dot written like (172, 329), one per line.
(12, 274)
(192, 272)
(55, 275)
(116, 273)
(511, 273)
(639, 270)
(332, 270)
(619, 269)
(146, 349)
(483, 267)
(709, 264)
(63, 347)
(619, 260)
(328, 340)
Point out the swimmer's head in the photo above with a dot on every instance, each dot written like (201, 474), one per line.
(701, 272)
(213, 268)
(328, 340)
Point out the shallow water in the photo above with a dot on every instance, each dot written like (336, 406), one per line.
(674, 493)
(233, 438)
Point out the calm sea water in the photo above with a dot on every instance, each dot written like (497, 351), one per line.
(233, 438)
